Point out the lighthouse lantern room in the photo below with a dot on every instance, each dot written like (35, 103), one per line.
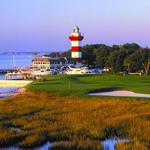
(76, 37)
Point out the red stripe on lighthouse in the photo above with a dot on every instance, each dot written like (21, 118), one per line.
(76, 38)
(76, 49)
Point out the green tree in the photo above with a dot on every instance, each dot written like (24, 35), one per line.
(101, 54)
(134, 62)
(112, 61)
(145, 60)
(131, 46)
(88, 55)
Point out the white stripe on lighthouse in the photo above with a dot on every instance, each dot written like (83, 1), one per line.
(76, 54)
(75, 43)
(75, 34)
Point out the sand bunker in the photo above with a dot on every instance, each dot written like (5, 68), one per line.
(121, 93)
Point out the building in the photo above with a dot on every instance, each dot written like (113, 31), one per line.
(76, 37)
(52, 63)
(41, 62)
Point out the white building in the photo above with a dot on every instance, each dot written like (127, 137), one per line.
(52, 63)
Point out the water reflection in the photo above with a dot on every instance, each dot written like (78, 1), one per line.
(6, 92)
(109, 144)
(46, 146)
(16, 129)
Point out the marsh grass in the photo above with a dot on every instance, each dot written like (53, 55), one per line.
(136, 145)
(77, 144)
(9, 137)
(34, 140)
(73, 122)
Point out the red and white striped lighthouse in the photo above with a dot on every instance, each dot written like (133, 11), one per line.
(76, 39)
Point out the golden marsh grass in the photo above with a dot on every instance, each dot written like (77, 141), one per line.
(74, 123)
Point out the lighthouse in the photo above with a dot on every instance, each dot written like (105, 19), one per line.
(76, 37)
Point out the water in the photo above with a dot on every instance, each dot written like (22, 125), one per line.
(46, 146)
(6, 92)
(19, 59)
(2, 77)
(18, 130)
(109, 144)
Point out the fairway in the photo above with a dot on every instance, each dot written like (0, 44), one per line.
(82, 84)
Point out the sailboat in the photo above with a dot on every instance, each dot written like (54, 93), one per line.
(15, 74)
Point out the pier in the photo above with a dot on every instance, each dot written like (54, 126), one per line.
(4, 71)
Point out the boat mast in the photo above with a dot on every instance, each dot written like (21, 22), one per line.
(14, 63)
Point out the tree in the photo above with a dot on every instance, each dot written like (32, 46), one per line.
(133, 62)
(127, 63)
(54, 54)
(131, 46)
(139, 60)
(145, 60)
(120, 60)
(116, 47)
(101, 54)
(112, 61)
(88, 55)
(66, 54)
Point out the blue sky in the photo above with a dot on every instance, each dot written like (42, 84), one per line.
(43, 25)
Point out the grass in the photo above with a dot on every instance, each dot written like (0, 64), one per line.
(73, 121)
(79, 85)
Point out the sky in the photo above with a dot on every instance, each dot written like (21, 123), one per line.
(44, 25)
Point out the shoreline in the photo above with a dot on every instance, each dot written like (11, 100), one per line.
(12, 88)
(14, 83)
(15, 92)
(18, 91)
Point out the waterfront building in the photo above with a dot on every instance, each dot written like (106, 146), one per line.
(52, 63)
(41, 62)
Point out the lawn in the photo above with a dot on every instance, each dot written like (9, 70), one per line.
(82, 84)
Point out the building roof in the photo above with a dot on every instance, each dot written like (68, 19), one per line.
(41, 59)
(50, 59)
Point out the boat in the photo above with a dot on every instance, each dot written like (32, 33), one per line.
(40, 72)
(77, 70)
(13, 76)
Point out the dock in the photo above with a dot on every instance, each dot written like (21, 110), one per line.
(4, 71)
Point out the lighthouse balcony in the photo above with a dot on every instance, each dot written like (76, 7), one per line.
(76, 38)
